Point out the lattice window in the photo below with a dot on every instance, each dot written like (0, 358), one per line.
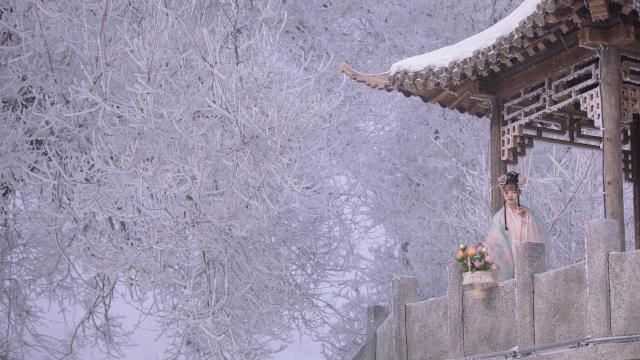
(626, 152)
(626, 165)
(591, 103)
(630, 68)
(546, 111)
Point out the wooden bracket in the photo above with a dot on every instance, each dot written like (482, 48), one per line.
(482, 90)
(599, 9)
(619, 35)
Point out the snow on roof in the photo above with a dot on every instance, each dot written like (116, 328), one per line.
(466, 48)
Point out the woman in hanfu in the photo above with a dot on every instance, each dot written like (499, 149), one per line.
(512, 225)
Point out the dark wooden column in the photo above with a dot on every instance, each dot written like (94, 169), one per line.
(497, 167)
(611, 138)
(635, 173)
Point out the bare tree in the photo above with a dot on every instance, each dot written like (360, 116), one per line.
(168, 152)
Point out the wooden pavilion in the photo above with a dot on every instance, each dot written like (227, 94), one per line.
(562, 71)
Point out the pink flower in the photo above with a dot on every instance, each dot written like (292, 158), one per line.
(502, 179)
(478, 263)
(488, 259)
(494, 266)
(522, 179)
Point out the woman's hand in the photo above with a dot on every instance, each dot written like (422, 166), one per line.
(522, 212)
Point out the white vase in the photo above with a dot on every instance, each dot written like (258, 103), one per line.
(478, 277)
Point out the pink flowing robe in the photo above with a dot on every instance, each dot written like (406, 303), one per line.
(502, 243)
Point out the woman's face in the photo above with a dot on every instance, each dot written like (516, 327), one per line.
(510, 195)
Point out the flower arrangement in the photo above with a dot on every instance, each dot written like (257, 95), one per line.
(512, 177)
(476, 263)
(475, 258)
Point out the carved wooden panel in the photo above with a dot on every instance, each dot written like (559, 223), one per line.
(630, 68)
(545, 111)
(630, 74)
(591, 103)
(626, 165)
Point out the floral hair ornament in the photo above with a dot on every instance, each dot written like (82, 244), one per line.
(522, 179)
(511, 177)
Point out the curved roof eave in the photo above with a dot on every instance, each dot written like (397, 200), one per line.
(525, 33)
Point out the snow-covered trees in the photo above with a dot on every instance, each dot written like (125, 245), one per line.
(204, 161)
(168, 152)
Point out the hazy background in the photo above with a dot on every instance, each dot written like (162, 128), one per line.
(196, 179)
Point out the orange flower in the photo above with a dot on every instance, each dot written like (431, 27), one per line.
(471, 251)
(459, 254)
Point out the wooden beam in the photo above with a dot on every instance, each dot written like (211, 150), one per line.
(619, 35)
(610, 86)
(565, 142)
(441, 96)
(459, 97)
(497, 167)
(599, 10)
(631, 47)
(540, 71)
(483, 90)
(430, 94)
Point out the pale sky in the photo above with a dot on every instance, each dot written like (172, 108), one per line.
(144, 342)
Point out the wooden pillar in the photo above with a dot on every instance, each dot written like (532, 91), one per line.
(611, 138)
(497, 167)
(635, 174)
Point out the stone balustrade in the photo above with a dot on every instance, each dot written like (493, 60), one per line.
(595, 302)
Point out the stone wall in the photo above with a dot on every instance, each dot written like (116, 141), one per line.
(559, 302)
(586, 310)
(384, 345)
(427, 317)
(624, 274)
(489, 324)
